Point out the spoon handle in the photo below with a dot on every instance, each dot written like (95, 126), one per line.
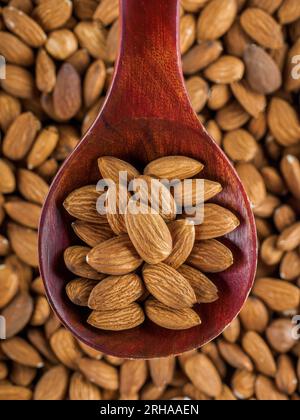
(148, 81)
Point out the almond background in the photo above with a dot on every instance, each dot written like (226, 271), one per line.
(237, 62)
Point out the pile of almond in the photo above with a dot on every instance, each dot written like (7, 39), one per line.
(241, 68)
(151, 258)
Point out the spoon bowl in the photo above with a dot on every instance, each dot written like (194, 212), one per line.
(147, 115)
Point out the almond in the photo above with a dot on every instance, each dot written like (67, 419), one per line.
(254, 103)
(107, 11)
(45, 72)
(53, 13)
(24, 27)
(201, 56)
(243, 383)
(18, 82)
(43, 147)
(91, 233)
(67, 93)
(262, 27)
(22, 352)
(116, 292)
(10, 109)
(15, 51)
(153, 192)
(24, 213)
(170, 318)
(32, 187)
(195, 191)
(110, 168)
(117, 200)
(227, 69)
(264, 78)
(17, 314)
(254, 315)
(286, 378)
(162, 371)
(148, 233)
(232, 117)
(53, 385)
(198, 92)
(183, 237)
(283, 122)
(75, 260)
(234, 356)
(20, 136)
(65, 348)
(204, 375)
(290, 168)
(217, 222)
(210, 256)
(9, 285)
(253, 183)
(280, 335)
(99, 373)
(216, 18)
(7, 178)
(278, 295)
(133, 376)
(92, 36)
(290, 266)
(289, 12)
(79, 291)
(94, 82)
(169, 286)
(117, 256)
(24, 242)
(266, 390)
(83, 390)
(260, 353)
(119, 319)
(289, 238)
(61, 44)
(174, 167)
(14, 393)
(187, 30)
(205, 290)
(82, 204)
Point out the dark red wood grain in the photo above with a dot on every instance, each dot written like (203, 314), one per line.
(147, 115)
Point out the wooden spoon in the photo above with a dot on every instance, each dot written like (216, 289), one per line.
(147, 114)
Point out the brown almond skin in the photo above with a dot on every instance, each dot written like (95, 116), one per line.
(205, 290)
(17, 314)
(91, 233)
(149, 234)
(210, 256)
(20, 351)
(83, 390)
(194, 193)
(79, 291)
(260, 353)
(168, 286)
(183, 237)
(100, 373)
(75, 260)
(118, 319)
(170, 318)
(82, 204)
(116, 292)
(9, 284)
(115, 257)
(217, 222)
(174, 167)
(110, 167)
(53, 385)
(277, 294)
